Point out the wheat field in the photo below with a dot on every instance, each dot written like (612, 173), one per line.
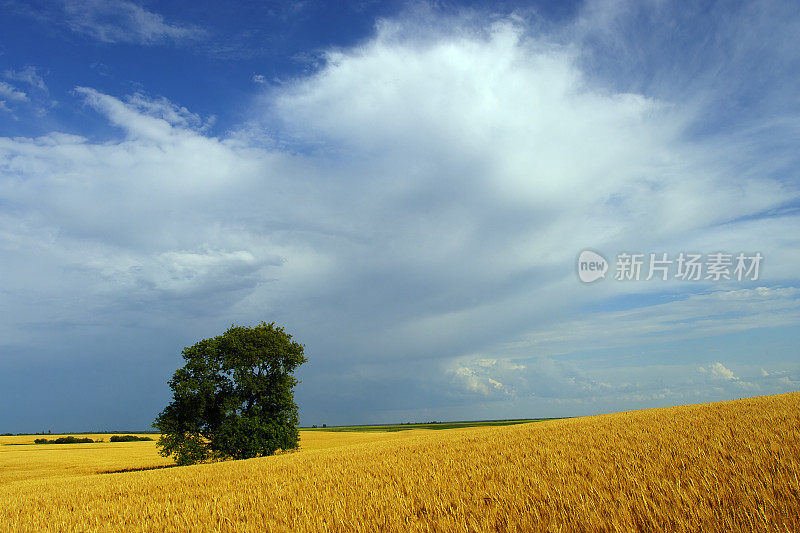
(731, 466)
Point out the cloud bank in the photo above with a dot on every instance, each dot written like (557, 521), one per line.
(412, 211)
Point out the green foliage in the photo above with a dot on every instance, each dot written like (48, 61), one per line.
(65, 440)
(127, 438)
(234, 397)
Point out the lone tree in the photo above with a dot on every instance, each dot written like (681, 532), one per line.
(234, 398)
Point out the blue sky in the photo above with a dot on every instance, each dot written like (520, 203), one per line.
(406, 187)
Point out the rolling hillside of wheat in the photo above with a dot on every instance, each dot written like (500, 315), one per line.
(732, 466)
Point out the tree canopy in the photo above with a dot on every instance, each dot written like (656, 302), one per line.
(234, 397)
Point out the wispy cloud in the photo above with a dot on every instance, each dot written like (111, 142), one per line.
(28, 75)
(10, 98)
(121, 21)
(10, 92)
(717, 312)
(173, 114)
(35, 100)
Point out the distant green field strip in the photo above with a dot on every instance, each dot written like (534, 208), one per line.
(442, 425)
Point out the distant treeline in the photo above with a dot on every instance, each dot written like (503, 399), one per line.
(128, 438)
(86, 440)
(64, 440)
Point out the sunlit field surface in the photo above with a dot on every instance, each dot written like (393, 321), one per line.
(732, 466)
(29, 462)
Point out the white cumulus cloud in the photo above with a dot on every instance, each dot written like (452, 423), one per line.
(718, 370)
